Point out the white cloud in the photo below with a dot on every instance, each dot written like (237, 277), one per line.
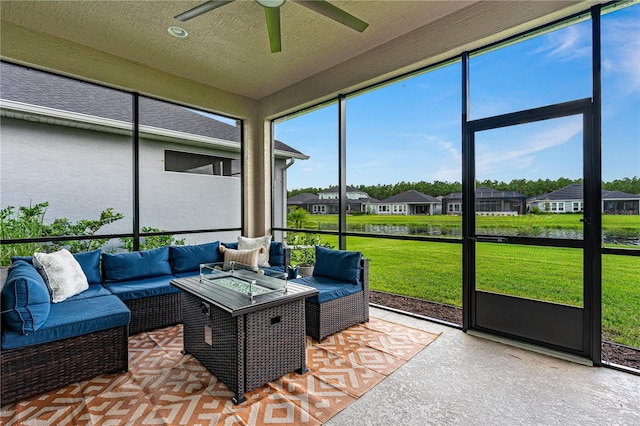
(567, 44)
(490, 161)
(621, 52)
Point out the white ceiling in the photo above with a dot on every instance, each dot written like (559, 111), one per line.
(228, 48)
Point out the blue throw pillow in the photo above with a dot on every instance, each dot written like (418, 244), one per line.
(276, 254)
(340, 265)
(89, 262)
(25, 298)
(136, 265)
(189, 258)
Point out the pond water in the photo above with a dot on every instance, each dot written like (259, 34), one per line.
(619, 237)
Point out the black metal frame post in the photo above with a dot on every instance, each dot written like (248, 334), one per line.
(593, 198)
(342, 173)
(136, 171)
(468, 204)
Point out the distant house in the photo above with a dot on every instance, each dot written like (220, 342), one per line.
(488, 201)
(326, 202)
(570, 199)
(306, 200)
(410, 202)
(617, 202)
(70, 143)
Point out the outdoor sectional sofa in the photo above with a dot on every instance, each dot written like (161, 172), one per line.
(47, 345)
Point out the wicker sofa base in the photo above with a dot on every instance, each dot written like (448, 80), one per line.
(32, 370)
(154, 312)
(326, 318)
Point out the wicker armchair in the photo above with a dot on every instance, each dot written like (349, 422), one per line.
(326, 318)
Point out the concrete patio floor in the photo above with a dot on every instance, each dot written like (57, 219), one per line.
(462, 379)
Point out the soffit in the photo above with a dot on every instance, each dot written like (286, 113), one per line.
(227, 48)
(225, 64)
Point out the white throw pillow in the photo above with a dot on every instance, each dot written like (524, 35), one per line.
(247, 257)
(62, 273)
(245, 243)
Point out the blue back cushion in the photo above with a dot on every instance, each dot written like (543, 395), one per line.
(340, 265)
(276, 254)
(89, 262)
(136, 265)
(25, 299)
(189, 258)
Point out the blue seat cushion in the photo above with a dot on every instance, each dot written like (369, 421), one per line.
(25, 299)
(94, 290)
(73, 318)
(340, 265)
(146, 287)
(89, 262)
(136, 265)
(189, 258)
(328, 289)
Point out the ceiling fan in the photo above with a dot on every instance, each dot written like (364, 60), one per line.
(272, 13)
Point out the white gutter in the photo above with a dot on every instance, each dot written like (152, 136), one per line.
(39, 113)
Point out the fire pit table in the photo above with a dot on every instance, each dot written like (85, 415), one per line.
(245, 325)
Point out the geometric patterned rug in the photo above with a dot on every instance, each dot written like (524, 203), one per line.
(164, 387)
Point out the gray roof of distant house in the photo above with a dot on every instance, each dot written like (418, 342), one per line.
(618, 195)
(335, 189)
(575, 191)
(412, 197)
(52, 91)
(486, 192)
(303, 198)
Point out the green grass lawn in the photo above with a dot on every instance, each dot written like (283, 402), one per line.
(433, 271)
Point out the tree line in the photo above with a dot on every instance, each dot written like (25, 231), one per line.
(437, 188)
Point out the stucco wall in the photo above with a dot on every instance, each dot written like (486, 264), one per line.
(82, 172)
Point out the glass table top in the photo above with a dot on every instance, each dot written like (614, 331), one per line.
(243, 279)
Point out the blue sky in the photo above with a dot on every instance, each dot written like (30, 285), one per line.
(410, 131)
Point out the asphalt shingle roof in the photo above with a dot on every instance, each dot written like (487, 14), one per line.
(305, 197)
(335, 189)
(411, 196)
(33, 87)
(486, 192)
(575, 191)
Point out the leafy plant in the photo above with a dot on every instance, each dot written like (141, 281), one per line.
(27, 222)
(297, 218)
(152, 241)
(303, 246)
(83, 227)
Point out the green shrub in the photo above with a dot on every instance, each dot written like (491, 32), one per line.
(303, 247)
(152, 241)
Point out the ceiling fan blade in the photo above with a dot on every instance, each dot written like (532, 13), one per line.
(199, 10)
(273, 26)
(335, 13)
